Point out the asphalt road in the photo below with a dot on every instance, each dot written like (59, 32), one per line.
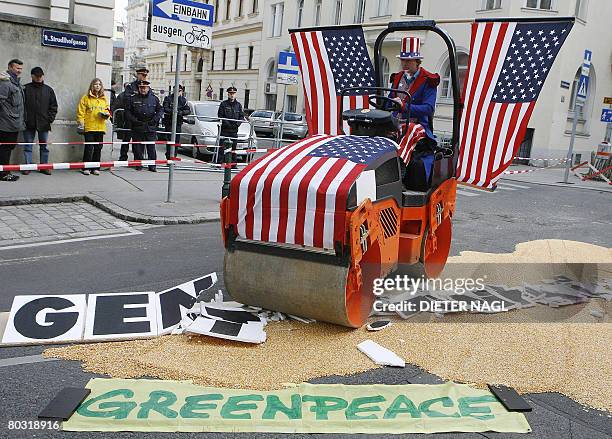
(168, 255)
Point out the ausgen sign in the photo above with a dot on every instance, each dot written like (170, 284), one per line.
(182, 22)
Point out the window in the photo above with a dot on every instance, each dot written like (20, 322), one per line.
(255, 7)
(338, 13)
(491, 4)
(385, 71)
(212, 60)
(221, 94)
(239, 8)
(200, 64)
(581, 9)
(540, 4)
(216, 9)
(236, 53)
(291, 106)
(223, 59)
(247, 96)
(171, 62)
(317, 19)
(250, 57)
(277, 19)
(184, 62)
(300, 13)
(462, 66)
(359, 10)
(383, 8)
(413, 7)
(228, 6)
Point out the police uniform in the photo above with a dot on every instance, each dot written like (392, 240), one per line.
(229, 109)
(144, 112)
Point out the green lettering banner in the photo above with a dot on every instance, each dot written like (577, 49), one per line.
(156, 405)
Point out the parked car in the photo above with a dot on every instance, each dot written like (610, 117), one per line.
(263, 121)
(294, 126)
(205, 129)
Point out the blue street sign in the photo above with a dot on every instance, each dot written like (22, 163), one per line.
(288, 68)
(184, 10)
(287, 63)
(64, 40)
(583, 82)
(606, 115)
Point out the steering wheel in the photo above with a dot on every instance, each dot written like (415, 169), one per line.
(386, 102)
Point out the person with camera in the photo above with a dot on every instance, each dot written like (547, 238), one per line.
(92, 113)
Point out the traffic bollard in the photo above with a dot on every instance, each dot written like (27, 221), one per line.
(227, 172)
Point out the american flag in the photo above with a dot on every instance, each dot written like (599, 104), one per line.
(414, 133)
(298, 194)
(331, 60)
(509, 62)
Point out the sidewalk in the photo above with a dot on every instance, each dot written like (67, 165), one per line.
(554, 177)
(125, 193)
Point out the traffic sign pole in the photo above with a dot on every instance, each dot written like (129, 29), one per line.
(174, 120)
(580, 95)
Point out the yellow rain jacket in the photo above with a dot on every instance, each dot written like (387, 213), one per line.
(88, 112)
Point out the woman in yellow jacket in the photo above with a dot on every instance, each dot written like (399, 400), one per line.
(91, 117)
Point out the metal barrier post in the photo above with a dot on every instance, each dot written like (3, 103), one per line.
(227, 172)
(174, 120)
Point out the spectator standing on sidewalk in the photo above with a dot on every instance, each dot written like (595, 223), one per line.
(12, 114)
(123, 128)
(230, 109)
(92, 112)
(40, 111)
(144, 112)
(183, 110)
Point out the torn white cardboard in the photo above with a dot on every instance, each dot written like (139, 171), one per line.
(251, 332)
(380, 355)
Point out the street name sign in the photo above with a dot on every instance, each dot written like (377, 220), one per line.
(64, 40)
(183, 22)
(288, 69)
(583, 82)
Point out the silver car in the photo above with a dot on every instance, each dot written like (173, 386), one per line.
(263, 121)
(205, 129)
(294, 126)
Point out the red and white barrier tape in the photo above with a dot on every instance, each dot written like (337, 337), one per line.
(84, 165)
(526, 171)
(564, 159)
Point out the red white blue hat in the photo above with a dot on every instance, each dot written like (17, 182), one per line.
(411, 48)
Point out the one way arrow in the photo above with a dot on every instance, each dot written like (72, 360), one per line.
(167, 7)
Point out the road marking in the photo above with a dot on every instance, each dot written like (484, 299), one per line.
(467, 194)
(475, 189)
(63, 241)
(504, 188)
(516, 185)
(24, 360)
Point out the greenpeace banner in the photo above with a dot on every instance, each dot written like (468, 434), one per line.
(156, 405)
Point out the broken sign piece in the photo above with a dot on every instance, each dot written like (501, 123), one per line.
(378, 325)
(380, 355)
(251, 332)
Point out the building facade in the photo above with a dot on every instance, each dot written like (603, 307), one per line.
(68, 70)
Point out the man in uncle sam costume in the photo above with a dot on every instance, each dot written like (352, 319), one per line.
(421, 85)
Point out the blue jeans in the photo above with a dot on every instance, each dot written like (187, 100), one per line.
(43, 138)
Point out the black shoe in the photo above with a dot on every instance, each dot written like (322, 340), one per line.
(153, 169)
(9, 177)
(25, 172)
(138, 168)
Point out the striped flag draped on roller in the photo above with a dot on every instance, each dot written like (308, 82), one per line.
(509, 62)
(331, 60)
(298, 194)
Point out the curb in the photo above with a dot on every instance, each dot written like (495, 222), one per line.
(569, 186)
(114, 209)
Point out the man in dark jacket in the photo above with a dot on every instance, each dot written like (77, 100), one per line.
(141, 75)
(12, 114)
(120, 122)
(230, 109)
(183, 110)
(40, 111)
(143, 112)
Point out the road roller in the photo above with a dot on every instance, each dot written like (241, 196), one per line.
(378, 226)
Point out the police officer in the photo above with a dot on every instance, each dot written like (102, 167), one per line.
(183, 110)
(141, 75)
(230, 109)
(144, 112)
(120, 122)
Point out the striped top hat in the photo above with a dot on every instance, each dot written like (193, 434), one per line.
(411, 48)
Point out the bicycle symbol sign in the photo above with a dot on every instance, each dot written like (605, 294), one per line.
(183, 22)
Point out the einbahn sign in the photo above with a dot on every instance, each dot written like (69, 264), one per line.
(183, 22)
